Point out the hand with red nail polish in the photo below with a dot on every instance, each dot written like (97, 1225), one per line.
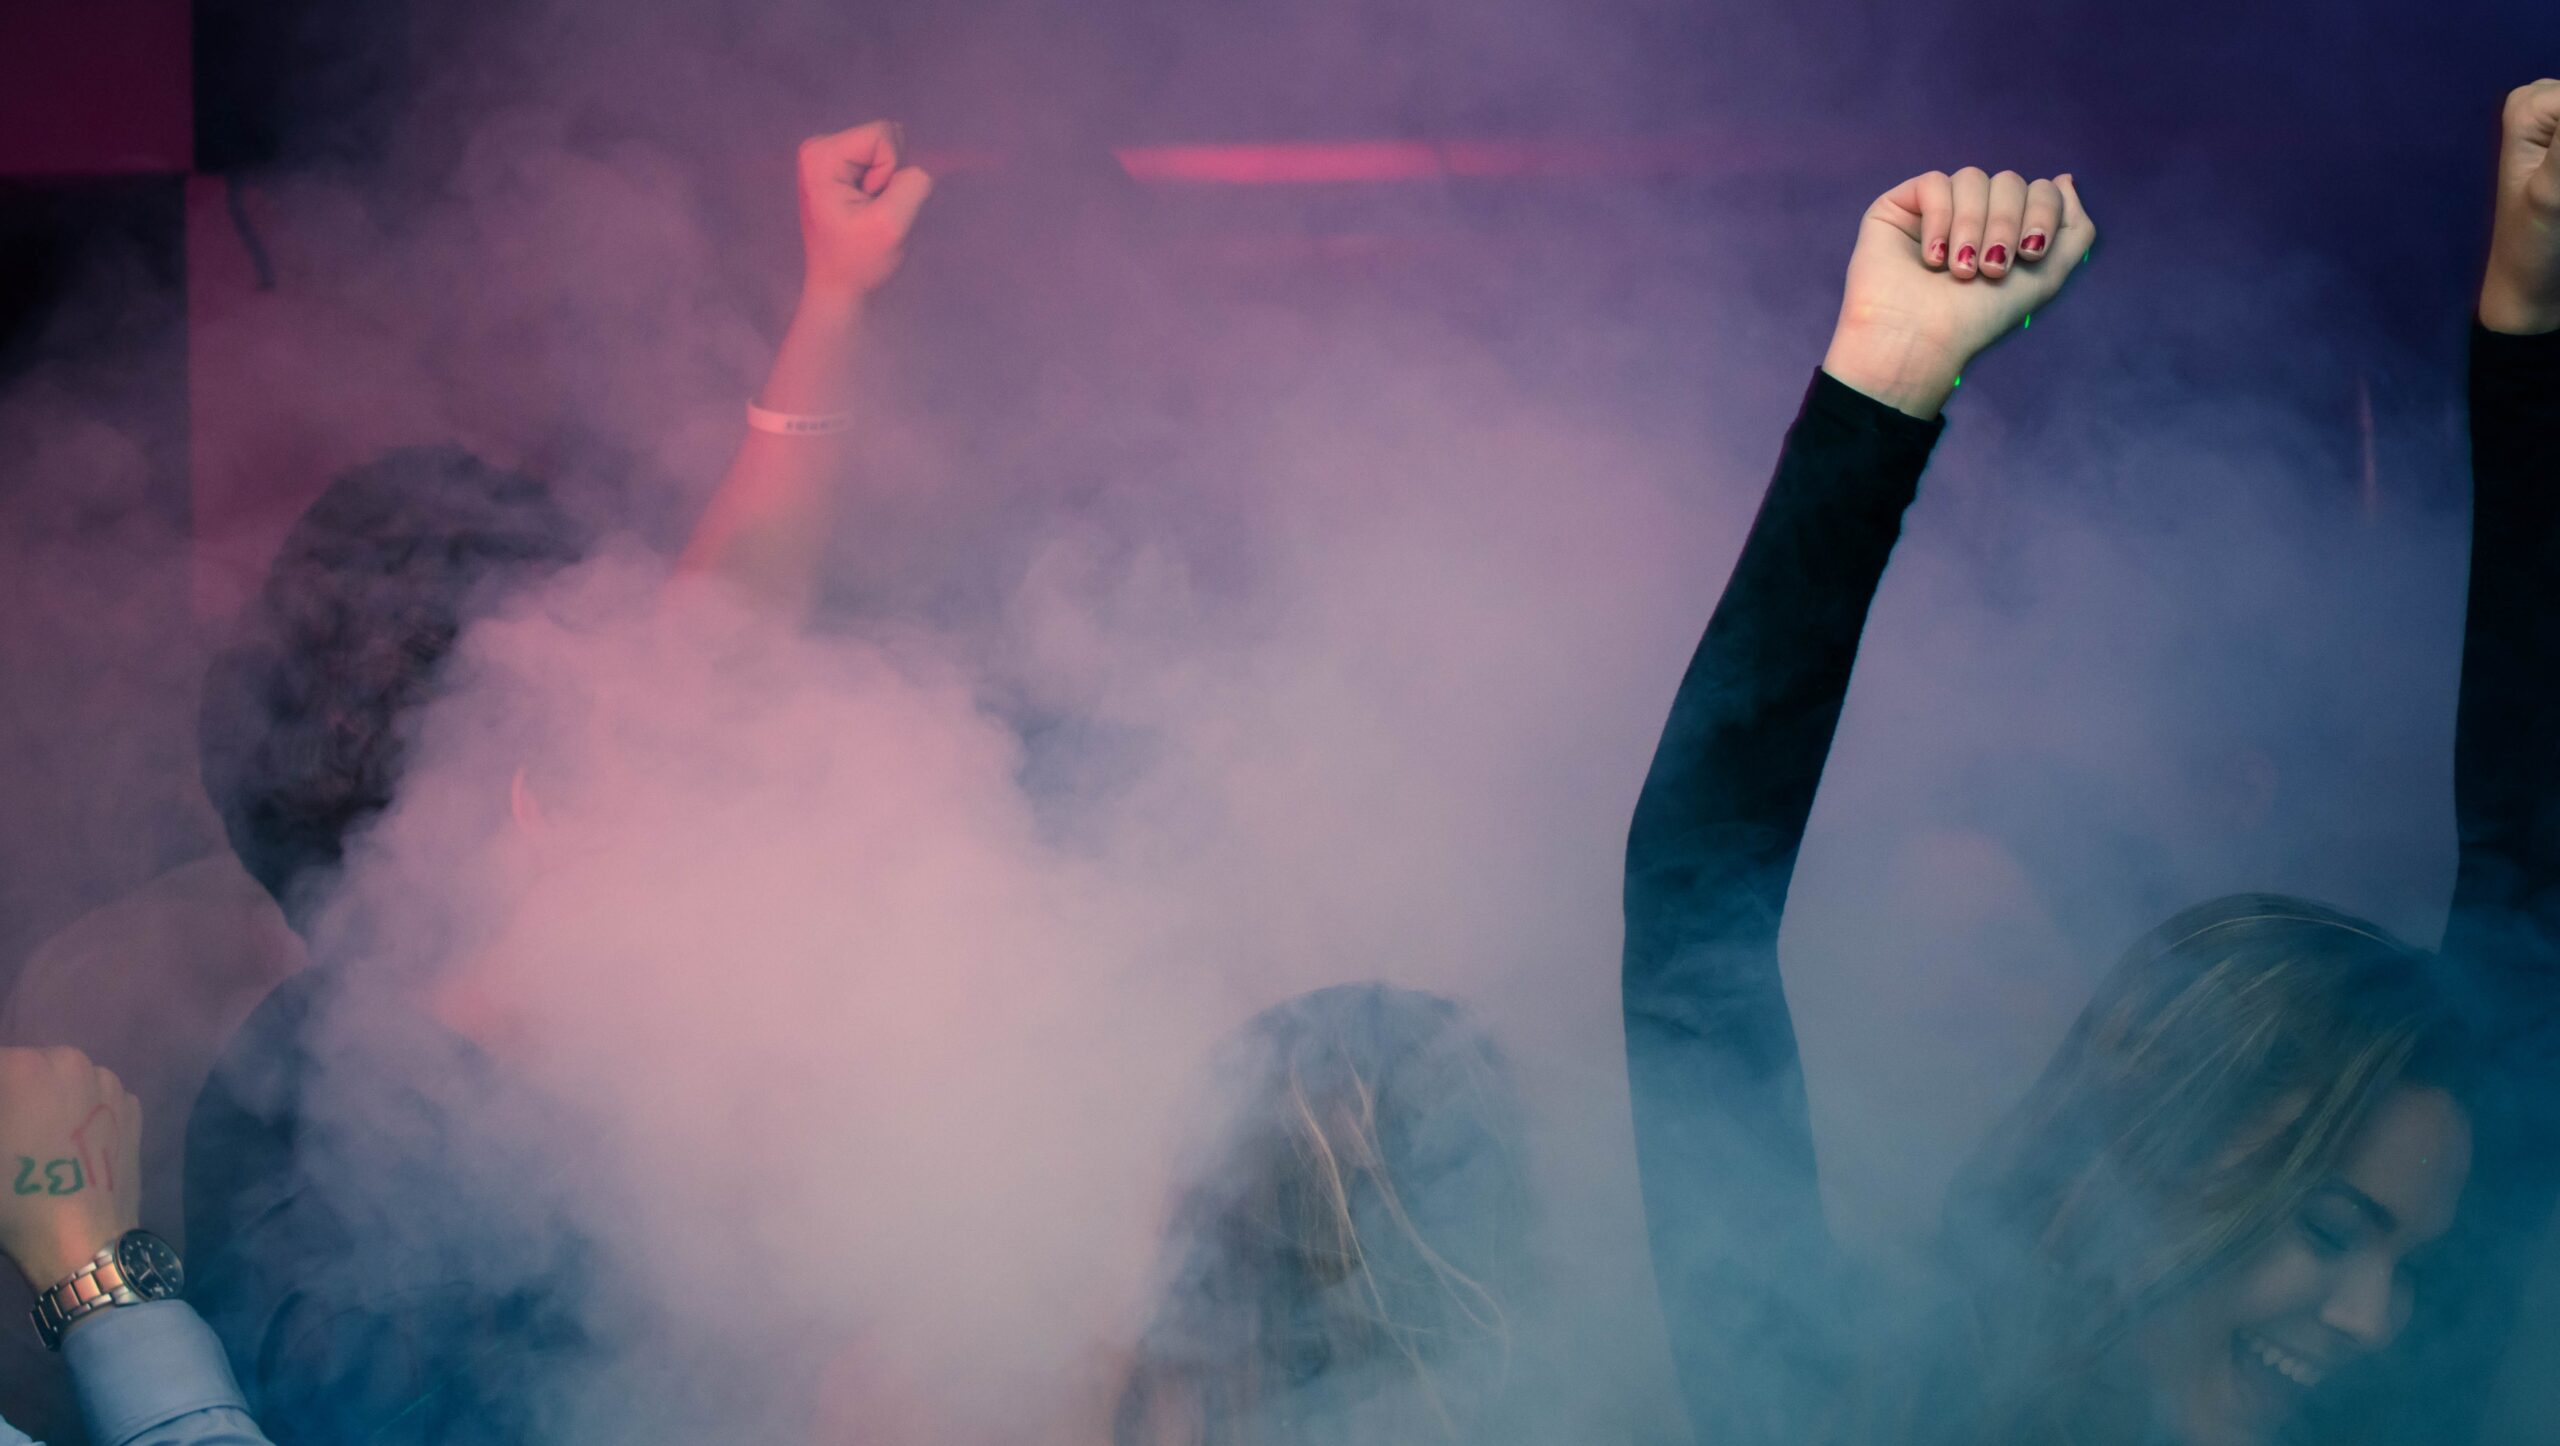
(1942, 270)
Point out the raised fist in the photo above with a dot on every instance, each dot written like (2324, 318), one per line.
(70, 1161)
(1945, 266)
(2521, 292)
(857, 202)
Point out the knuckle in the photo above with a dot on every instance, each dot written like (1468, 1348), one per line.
(2010, 178)
(1972, 173)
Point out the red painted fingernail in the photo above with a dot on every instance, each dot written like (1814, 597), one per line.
(1996, 256)
(2033, 244)
(1964, 256)
(1937, 251)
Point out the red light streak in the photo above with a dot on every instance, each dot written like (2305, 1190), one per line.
(1389, 162)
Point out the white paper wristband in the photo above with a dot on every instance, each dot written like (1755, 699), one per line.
(796, 424)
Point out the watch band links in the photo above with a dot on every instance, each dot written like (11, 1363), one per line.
(92, 1288)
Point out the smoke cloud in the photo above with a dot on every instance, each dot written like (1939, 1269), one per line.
(1246, 591)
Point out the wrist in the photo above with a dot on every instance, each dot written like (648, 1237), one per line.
(49, 1262)
(2512, 309)
(826, 306)
(1911, 374)
(814, 373)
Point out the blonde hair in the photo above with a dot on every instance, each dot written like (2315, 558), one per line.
(2219, 1074)
(1353, 1241)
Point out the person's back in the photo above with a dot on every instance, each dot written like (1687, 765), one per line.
(316, 1146)
(334, 1232)
(389, 1258)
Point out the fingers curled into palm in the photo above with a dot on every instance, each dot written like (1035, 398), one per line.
(858, 201)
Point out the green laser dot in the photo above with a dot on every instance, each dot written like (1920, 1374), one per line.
(2029, 321)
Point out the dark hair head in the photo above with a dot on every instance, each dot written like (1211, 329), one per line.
(1354, 1239)
(300, 732)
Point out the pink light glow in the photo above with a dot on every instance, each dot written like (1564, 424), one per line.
(1299, 163)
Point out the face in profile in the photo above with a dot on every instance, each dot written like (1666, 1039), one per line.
(2232, 1361)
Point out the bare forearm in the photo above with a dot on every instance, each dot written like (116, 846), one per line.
(2520, 291)
(2507, 303)
(768, 523)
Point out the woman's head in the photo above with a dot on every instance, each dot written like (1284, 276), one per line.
(2219, 1194)
(1344, 1256)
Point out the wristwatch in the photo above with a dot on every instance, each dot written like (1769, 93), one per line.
(139, 1266)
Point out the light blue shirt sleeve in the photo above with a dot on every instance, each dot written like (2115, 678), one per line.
(153, 1375)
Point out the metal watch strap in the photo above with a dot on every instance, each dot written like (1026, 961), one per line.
(92, 1288)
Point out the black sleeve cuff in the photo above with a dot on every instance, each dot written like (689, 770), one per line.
(2500, 358)
(1839, 405)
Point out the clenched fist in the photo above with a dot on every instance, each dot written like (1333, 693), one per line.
(1945, 266)
(857, 202)
(70, 1161)
(2521, 292)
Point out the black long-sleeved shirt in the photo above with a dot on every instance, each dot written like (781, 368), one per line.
(1745, 1264)
(1748, 1271)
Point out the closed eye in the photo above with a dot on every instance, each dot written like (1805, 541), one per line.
(2325, 1242)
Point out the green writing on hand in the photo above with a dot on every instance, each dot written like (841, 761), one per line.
(61, 1177)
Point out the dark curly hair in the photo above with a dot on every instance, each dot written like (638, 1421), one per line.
(301, 730)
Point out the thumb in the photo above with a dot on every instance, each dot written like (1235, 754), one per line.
(2079, 233)
(898, 203)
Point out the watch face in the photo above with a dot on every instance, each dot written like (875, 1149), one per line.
(150, 1266)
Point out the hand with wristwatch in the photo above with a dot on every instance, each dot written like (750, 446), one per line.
(71, 1191)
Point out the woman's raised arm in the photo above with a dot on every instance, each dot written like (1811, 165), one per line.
(1944, 267)
(2503, 939)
